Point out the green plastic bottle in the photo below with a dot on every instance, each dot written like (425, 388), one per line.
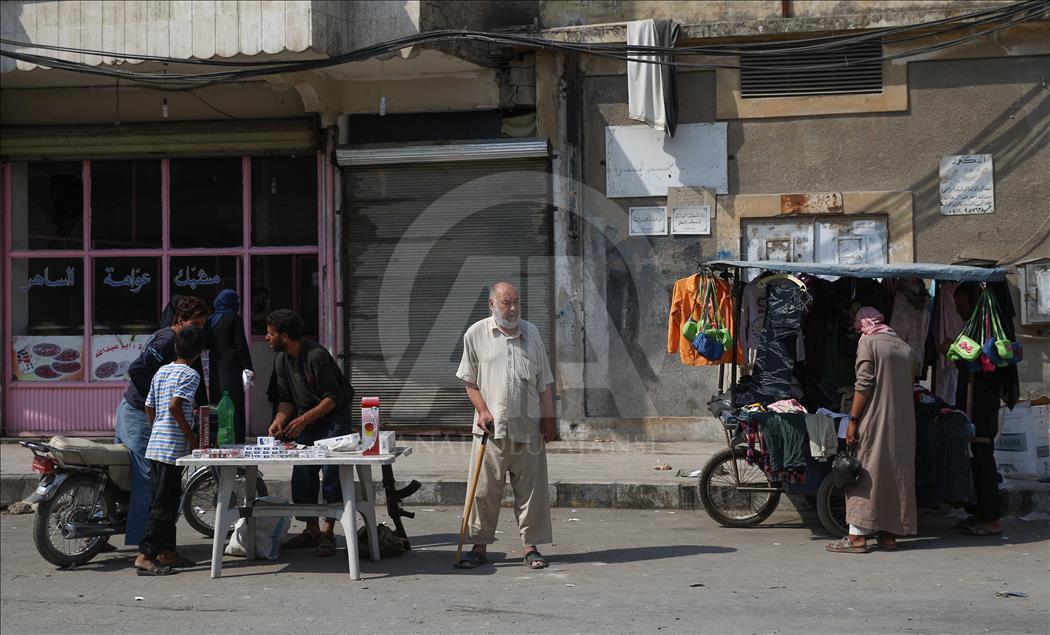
(225, 409)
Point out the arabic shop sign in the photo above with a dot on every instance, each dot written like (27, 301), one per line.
(45, 280)
(967, 185)
(194, 277)
(134, 281)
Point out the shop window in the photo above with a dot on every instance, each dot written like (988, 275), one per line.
(125, 204)
(284, 201)
(47, 205)
(285, 282)
(206, 203)
(204, 276)
(47, 319)
(127, 295)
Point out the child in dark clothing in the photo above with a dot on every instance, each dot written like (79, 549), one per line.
(169, 408)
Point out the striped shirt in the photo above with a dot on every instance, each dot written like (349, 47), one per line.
(166, 440)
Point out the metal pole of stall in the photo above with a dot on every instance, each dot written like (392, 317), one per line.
(738, 296)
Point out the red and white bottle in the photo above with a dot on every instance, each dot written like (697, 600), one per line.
(370, 425)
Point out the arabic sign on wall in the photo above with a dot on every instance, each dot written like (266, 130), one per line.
(648, 221)
(112, 354)
(47, 357)
(641, 161)
(967, 185)
(691, 221)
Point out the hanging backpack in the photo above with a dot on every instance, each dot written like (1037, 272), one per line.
(708, 341)
(966, 346)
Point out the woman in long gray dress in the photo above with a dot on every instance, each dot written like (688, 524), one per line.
(882, 429)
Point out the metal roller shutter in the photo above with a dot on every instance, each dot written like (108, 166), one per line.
(421, 244)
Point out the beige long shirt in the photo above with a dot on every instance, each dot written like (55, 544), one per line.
(510, 371)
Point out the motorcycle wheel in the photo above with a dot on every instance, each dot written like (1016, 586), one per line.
(74, 500)
(202, 492)
(831, 508)
(720, 492)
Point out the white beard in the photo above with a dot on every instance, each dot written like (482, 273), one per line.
(506, 325)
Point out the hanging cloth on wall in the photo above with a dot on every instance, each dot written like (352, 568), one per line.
(685, 305)
(652, 90)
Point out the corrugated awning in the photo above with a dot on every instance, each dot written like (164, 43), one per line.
(443, 152)
(926, 271)
(198, 138)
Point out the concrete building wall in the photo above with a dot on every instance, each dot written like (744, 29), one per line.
(999, 106)
(562, 13)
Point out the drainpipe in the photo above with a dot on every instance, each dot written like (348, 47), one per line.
(785, 8)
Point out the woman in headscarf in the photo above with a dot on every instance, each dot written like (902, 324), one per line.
(882, 431)
(228, 355)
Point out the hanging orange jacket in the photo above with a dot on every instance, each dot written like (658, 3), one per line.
(685, 303)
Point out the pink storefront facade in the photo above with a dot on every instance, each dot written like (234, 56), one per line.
(94, 248)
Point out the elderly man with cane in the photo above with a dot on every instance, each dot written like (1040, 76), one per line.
(509, 382)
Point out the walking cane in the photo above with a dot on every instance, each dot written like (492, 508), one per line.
(469, 505)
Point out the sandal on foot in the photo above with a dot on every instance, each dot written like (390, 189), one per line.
(301, 541)
(886, 544)
(471, 560)
(979, 530)
(845, 546)
(180, 562)
(535, 560)
(325, 546)
(154, 568)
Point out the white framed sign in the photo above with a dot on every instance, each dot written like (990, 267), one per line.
(648, 221)
(641, 161)
(967, 185)
(694, 220)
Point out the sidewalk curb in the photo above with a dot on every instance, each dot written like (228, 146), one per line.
(1017, 499)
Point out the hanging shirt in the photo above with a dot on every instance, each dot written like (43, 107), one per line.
(685, 303)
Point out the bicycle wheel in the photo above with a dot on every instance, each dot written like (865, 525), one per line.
(202, 491)
(831, 508)
(720, 491)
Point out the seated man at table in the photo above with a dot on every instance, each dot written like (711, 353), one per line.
(314, 403)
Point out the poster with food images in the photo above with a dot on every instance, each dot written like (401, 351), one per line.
(48, 357)
(111, 355)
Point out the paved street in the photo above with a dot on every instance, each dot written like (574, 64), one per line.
(612, 571)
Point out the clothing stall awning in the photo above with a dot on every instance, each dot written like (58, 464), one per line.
(926, 271)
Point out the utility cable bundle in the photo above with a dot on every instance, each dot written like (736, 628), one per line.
(983, 23)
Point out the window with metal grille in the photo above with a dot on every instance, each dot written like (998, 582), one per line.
(835, 71)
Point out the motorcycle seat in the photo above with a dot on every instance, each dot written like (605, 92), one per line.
(77, 451)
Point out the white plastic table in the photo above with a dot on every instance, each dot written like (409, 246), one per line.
(346, 511)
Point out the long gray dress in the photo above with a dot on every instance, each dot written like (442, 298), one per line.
(884, 497)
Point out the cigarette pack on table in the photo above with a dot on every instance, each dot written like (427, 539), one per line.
(344, 443)
(387, 442)
(205, 427)
(266, 441)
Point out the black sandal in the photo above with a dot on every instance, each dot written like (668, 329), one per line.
(471, 560)
(535, 560)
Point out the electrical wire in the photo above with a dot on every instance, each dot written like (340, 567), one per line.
(996, 19)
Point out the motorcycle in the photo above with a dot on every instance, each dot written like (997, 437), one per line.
(82, 497)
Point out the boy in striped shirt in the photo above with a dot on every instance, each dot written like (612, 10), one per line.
(169, 409)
